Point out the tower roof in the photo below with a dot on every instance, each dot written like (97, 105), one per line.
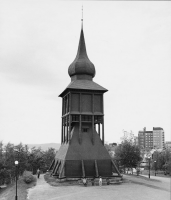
(81, 65)
(157, 128)
(84, 85)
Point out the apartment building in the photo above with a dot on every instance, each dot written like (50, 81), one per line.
(168, 145)
(151, 139)
(158, 138)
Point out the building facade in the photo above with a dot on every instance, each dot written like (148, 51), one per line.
(151, 139)
(168, 145)
(158, 138)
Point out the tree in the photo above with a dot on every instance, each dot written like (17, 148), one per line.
(128, 154)
(2, 174)
(162, 159)
(128, 136)
(1, 150)
(9, 159)
(111, 149)
(40, 159)
(28, 160)
(167, 168)
(35, 159)
(48, 158)
(21, 153)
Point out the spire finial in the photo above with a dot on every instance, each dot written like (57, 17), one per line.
(82, 18)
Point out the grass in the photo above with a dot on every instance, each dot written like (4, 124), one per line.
(9, 192)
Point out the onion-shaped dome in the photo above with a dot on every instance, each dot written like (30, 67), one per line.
(81, 65)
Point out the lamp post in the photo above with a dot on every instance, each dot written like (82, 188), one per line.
(149, 157)
(138, 169)
(155, 167)
(118, 165)
(16, 165)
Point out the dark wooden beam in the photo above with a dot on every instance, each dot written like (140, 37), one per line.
(70, 101)
(54, 167)
(99, 129)
(83, 169)
(80, 130)
(103, 130)
(80, 103)
(67, 117)
(62, 168)
(93, 119)
(62, 120)
(96, 168)
(102, 105)
(52, 164)
(62, 106)
(93, 104)
(67, 103)
(93, 129)
(67, 128)
(62, 131)
(57, 167)
(116, 168)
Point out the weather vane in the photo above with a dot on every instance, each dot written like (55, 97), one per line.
(82, 18)
(82, 14)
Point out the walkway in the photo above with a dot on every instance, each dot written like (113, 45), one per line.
(155, 182)
(43, 191)
(125, 191)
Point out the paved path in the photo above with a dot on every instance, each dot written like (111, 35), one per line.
(125, 191)
(165, 182)
(155, 182)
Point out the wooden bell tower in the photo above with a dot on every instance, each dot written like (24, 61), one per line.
(82, 152)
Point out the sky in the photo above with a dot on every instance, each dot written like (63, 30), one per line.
(129, 42)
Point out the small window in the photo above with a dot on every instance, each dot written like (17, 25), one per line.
(98, 119)
(75, 118)
(85, 130)
(86, 118)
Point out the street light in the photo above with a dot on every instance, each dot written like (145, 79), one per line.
(155, 167)
(16, 165)
(149, 157)
(138, 169)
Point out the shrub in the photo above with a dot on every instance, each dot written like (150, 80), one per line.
(28, 177)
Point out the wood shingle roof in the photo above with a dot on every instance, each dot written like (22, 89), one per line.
(84, 85)
(81, 64)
